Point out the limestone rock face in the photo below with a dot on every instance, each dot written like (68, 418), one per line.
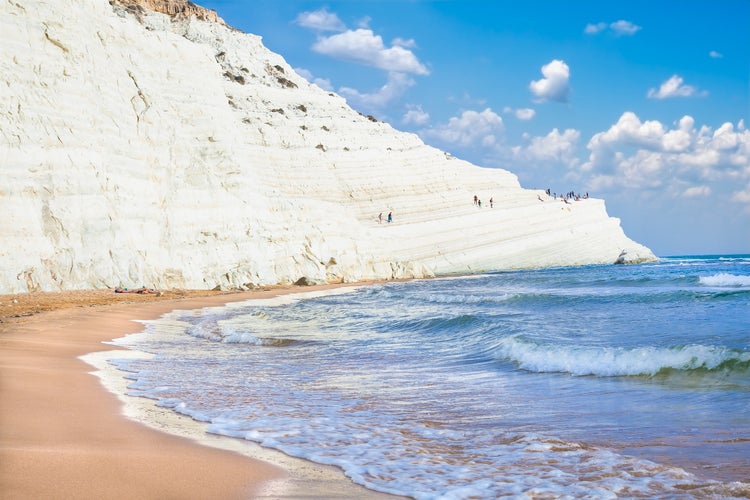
(176, 9)
(159, 149)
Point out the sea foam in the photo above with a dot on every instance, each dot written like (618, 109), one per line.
(526, 388)
(725, 280)
(612, 361)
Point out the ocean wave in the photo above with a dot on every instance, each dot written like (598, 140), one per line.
(435, 325)
(207, 329)
(469, 298)
(214, 329)
(232, 336)
(725, 280)
(614, 362)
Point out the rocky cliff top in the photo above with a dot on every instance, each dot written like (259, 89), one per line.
(176, 9)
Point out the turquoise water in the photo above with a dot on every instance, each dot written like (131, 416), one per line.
(597, 381)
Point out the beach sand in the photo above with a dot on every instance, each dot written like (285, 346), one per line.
(62, 435)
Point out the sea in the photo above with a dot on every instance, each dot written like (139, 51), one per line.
(606, 381)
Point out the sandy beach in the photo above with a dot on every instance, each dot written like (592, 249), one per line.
(62, 435)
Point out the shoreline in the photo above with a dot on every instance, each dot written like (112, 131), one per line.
(66, 433)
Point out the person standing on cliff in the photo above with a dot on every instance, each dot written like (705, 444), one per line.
(390, 217)
(380, 218)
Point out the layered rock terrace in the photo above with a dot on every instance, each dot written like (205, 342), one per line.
(147, 143)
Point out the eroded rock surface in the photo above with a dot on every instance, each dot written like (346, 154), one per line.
(167, 149)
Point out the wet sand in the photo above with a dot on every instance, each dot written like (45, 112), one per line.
(62, 435)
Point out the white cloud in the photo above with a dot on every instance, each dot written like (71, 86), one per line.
(396, 85)
(742, 196)
(724, 138)
(470, 129)
(402, 42)
(620, 28)
(365, 47)
(644, 169)
(593, 29)
(364, 22)
(525, 114)
(629, 131)
(639, 154)
(555, 84)
(715, 55)
(697, 192)
(674, 87)
(554, 147)
(415, 115)
(687, 123)
(676, 141)
(320, 20)
(320, 82)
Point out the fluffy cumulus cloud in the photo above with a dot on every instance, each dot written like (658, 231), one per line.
(688, 160)
(554, 148)
(625, 28)
(396, 85)
(523, 114)
(320, 82)
(593, 29)
(743, 197)
(619, 28)
(696, 192)
(675, 86)
(715, 55)
(407, 44)
(472, 128)
(555, 86)
(629, 131)
(365, 47)
(320, 20)
(415, 115)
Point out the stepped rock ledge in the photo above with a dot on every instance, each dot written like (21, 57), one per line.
(147, 142)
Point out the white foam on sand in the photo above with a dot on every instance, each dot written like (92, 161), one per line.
(304, 479)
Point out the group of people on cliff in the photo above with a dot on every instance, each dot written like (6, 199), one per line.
(570, 195)
(389, 219)
(478, 202)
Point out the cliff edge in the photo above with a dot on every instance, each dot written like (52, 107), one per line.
(175, 9)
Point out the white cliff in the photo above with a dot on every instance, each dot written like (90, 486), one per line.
(143, 148)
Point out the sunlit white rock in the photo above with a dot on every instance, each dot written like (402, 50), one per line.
(183, 153)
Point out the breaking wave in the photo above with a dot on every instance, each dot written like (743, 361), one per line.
(216, 329)
(725, 280)
(615, 362)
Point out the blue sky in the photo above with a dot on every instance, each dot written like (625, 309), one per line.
(644, 104)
